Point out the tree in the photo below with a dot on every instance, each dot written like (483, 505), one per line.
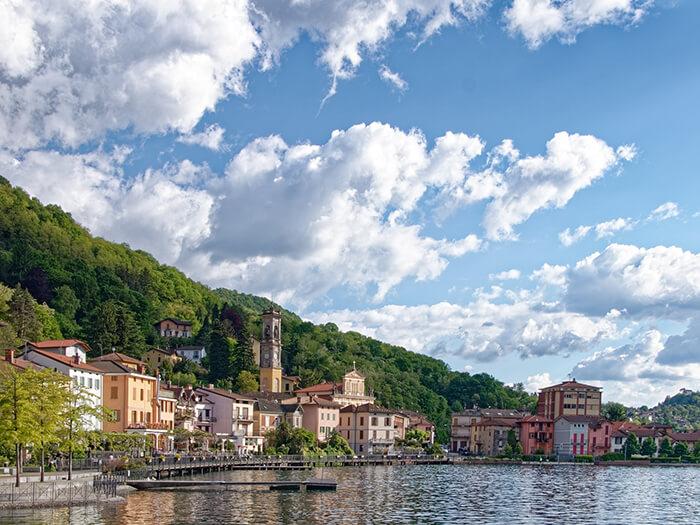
(113, 326)
(680, 449)
(184, 379)
(665, 448)
(631, 445)
(23, 316)
(696, 449)
(512, 439)
(50, 328)
(648, 447)
(18, 413)
(219, 352)
(337, 445)
(457, 406)
(615, 411)
(286, 439)
(246, 382)
(48, 395)
(77, 410)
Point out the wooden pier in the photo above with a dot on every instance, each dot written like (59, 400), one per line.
(182, 484)
(188, 466)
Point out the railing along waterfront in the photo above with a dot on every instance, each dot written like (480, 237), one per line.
(59, 492)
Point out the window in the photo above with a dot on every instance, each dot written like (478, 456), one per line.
(141, 416)
(362, 434)
(387, 421)
(114, 392)
(374, 421)
(97, 384)
(142, 394)
(133, 393)
(148, 417)
(323, 416)
(362, 421)
(133, 416)
(82, 381)
(114, 378)
(117, 416)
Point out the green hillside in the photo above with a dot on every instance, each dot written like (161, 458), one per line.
(681, 411)
(110, 295)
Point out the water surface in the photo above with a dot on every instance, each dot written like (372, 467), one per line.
(514, 494)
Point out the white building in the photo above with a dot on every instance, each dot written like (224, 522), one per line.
(193, 353)
(66, 347)
(88, 377)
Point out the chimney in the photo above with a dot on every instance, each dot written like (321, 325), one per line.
(10, 355)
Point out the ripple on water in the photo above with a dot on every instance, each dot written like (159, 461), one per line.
(510, 494)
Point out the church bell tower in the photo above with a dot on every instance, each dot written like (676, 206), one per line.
(271, 352)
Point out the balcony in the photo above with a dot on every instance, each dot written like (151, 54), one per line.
(381, 441)
(162, 426)
(206, 420)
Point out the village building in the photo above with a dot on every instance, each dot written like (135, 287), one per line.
(569, 398)
(231, 419)
(267, 416)
(156, 357)
(321, 416)
(70, 361)
(571, 435)
(489, 435)
(17, 362)
(293, 414)
(65, 347)
(401, 424)
(368, 428)
(192, 352)
(420, 422)
(536, 435)
(349, 391)
(132, 397)
(172, 327)
(461, 429)
(271, 352)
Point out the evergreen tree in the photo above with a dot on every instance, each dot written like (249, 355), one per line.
(680, 449)
(113, 326)
(219, 353)
(631, 445)
(246, 382)
(665, 449)
(648, 447)
(23, 316)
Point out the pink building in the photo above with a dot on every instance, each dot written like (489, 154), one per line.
(321, 416)
(536, 435)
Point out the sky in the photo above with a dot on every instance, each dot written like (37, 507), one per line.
(508, 185)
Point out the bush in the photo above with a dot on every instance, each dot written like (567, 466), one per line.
(537, 458)
(612, 456)
(583, 458)
(665, 459)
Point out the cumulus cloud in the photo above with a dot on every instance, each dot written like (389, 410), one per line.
(212, 137)
(160, 210)
(392, 78)
(494, 324)
(537, 382)
(569, 237)
(572, 162)
(668, 210)
(610, 228)
(682, 349)
(642, 281)
(348, 29)
(76, 70)
(539, 20)
(505, 275)
(646, 371)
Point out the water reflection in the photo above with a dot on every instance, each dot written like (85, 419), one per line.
(417, 494)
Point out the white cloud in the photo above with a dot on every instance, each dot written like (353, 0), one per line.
(568, 237)
(505, 275)
(668, 210)
(494, 324)
(610, 228)
(212, 137)
(76, 70)
(636, 373)
(548, 274)
(537, 382)
(572, 163)
(151, 211)
(539, 20)
(642, 281)
(348, 29)
(393, 78)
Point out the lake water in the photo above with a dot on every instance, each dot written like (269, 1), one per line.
(515, 494)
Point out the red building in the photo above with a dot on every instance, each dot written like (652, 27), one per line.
(569, 398)
(536, 435)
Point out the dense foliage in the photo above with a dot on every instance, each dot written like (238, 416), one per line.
(681, 411)
(110, 296)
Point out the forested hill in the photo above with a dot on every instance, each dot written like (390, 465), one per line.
(110, 296)
(682, 411)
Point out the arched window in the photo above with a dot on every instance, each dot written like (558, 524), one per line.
(277, 385)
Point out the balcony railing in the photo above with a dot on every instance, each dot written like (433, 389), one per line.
(148, 426)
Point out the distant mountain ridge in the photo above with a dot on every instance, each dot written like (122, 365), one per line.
(681, 411)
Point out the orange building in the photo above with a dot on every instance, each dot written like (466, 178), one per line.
(171, 327)
(569, 398)
(133, 398)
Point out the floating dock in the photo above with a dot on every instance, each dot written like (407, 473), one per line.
(186, 484)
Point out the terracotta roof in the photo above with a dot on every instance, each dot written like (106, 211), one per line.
(369, 408)
(113, 367)
(581, 419)
(685, 436)
(162, 351)
(570, 384)
(166, 392)
(117, 356)
(265, 405)
(59, 343)
(226, 393)
(536, 419)
(18, 362)
(322, 402)
(501, 413)
(321, 387)
(68, 361)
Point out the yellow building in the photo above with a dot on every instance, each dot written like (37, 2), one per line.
(155, 358)
(271, 352)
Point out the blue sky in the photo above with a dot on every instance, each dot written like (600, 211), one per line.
(392, 208)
